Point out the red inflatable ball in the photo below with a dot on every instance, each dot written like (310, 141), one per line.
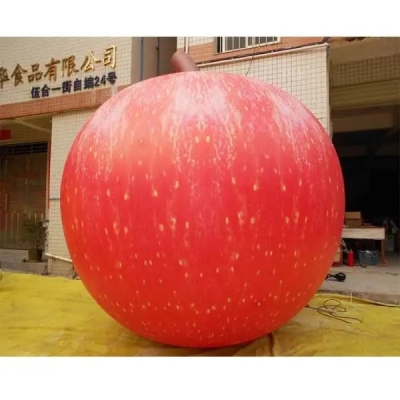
(202, 209)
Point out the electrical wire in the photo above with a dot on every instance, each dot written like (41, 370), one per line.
(252, 57)
(332, 308)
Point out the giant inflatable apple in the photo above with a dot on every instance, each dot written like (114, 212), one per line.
(202, 209)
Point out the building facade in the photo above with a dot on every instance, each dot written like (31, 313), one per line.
(297, 65)
(49, 87)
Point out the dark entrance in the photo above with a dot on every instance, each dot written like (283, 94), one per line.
(23, 177)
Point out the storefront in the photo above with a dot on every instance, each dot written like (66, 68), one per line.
(365, 109)
(49, 87)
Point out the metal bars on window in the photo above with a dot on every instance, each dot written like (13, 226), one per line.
(231, 43)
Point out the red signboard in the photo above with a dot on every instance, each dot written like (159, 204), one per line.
(5, 134)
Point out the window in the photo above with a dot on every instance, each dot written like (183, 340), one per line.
(223, 44)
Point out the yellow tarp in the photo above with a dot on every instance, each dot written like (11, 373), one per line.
(46, 316)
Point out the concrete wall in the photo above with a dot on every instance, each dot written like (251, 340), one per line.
(155, 61)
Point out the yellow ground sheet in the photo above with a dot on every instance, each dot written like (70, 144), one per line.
(48, 316)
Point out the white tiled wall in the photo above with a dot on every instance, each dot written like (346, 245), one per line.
(29, 51)
(65, 128)
(304, 74)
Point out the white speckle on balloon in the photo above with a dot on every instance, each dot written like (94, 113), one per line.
(226, 220)
(273, 271)
(283, 187)
(213, 308)
(300, 182)
(197, 139)
(208, 311)
(208, 139)
(140, 162)
(287, 220)
(155, 193)
(217, 270)
(161, 227)
(186, 275)
(120, 277)
(176, 184)
(119, 264)
(116, 228)
(126, 196)
(126, 229)
(144, 281)
(258, 272)
(252, 220)
(233, 181)
(243, 300)
(256, 186)
(275, 171)
(201, 274)
(228, 299)
(187, 224)
(110, 276)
